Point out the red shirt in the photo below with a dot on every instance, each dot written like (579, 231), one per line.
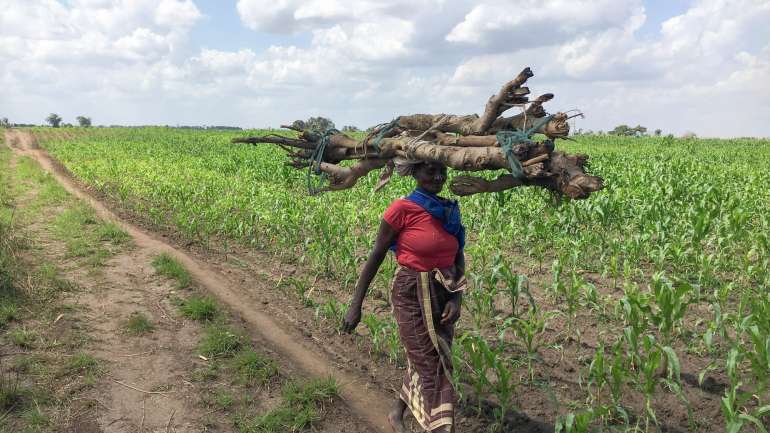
(422, 243)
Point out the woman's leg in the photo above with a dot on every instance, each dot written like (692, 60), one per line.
(396, 416)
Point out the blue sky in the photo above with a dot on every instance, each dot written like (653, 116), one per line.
(256, 63)
(221, 29)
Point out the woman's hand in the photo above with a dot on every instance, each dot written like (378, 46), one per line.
(352, 318)
(451, 311)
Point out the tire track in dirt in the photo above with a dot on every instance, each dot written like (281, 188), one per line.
(369, 403)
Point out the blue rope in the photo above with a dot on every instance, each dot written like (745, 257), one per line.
(508, 138)
(378, 138)
(316, 158)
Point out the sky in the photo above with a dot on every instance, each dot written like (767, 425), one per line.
(681, 66)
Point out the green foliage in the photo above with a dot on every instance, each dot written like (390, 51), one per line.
(220, 341)
(23, 337)
(139, 324)
(625, 130)
(84, 234)
(82, 363)
(300, 409)
(83, 121)
(168, 266)
(11, 391)
(202, 309)
(54, 120)
(254, 368)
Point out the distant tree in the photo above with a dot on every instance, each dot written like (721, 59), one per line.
(636, 131)
(4, 123)
(639, 130)
(83, 121)
(689, 134)
(298, 124)
(319, 123)
(53, 119)
(620, 130)
(658, 132)
(350, 128)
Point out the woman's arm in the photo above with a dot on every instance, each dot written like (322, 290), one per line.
(460, 264)
(385, 238)
(452, 309)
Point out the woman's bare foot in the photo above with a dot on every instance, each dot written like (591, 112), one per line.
(396, 416)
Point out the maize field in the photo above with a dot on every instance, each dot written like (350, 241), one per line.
(645, 307)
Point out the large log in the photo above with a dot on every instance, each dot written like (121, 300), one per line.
(461, 142)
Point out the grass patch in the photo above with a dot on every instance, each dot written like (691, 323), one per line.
(32, 364)
(223, 399)
(11, 393)
(300, 409)
(111, 232)
(8, 312)
(85, 235)
(220, 341)
(254, 368)
(311, 392)
(169, 267)
(23, 337)
(139, 324)
(82, 363)
(34, 417)
(203, 309)
(28, 174)
(76, 228)
(207, 373)
(51, 281)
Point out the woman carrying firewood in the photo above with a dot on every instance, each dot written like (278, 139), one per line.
(428, 237)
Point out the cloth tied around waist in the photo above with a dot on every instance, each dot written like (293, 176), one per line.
(447, 277)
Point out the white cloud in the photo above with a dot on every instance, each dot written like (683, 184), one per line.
(533, 23)
(364, 62)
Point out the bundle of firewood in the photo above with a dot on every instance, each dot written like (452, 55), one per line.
(466, 143)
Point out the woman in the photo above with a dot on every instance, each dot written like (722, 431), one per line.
(428, 238)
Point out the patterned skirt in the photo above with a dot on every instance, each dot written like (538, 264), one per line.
(418, 300)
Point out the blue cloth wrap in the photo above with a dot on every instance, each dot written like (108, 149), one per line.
(446, 211)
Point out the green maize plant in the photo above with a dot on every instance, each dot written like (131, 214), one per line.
(597, 374)
(618, 375)
(581, 422)
(611, 373)
(572, 295)
(733, 400)
(529, 330)
(477, 354)
(480, 300)
(333, 310)
(384, 336)
(377, 332)
(459, 371)
(503, 387)
(516, 285)
(671, 302)
(654, 357)
(635, 308)
(393, 344)
(557, 284)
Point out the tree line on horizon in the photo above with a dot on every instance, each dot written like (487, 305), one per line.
(321, 123)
